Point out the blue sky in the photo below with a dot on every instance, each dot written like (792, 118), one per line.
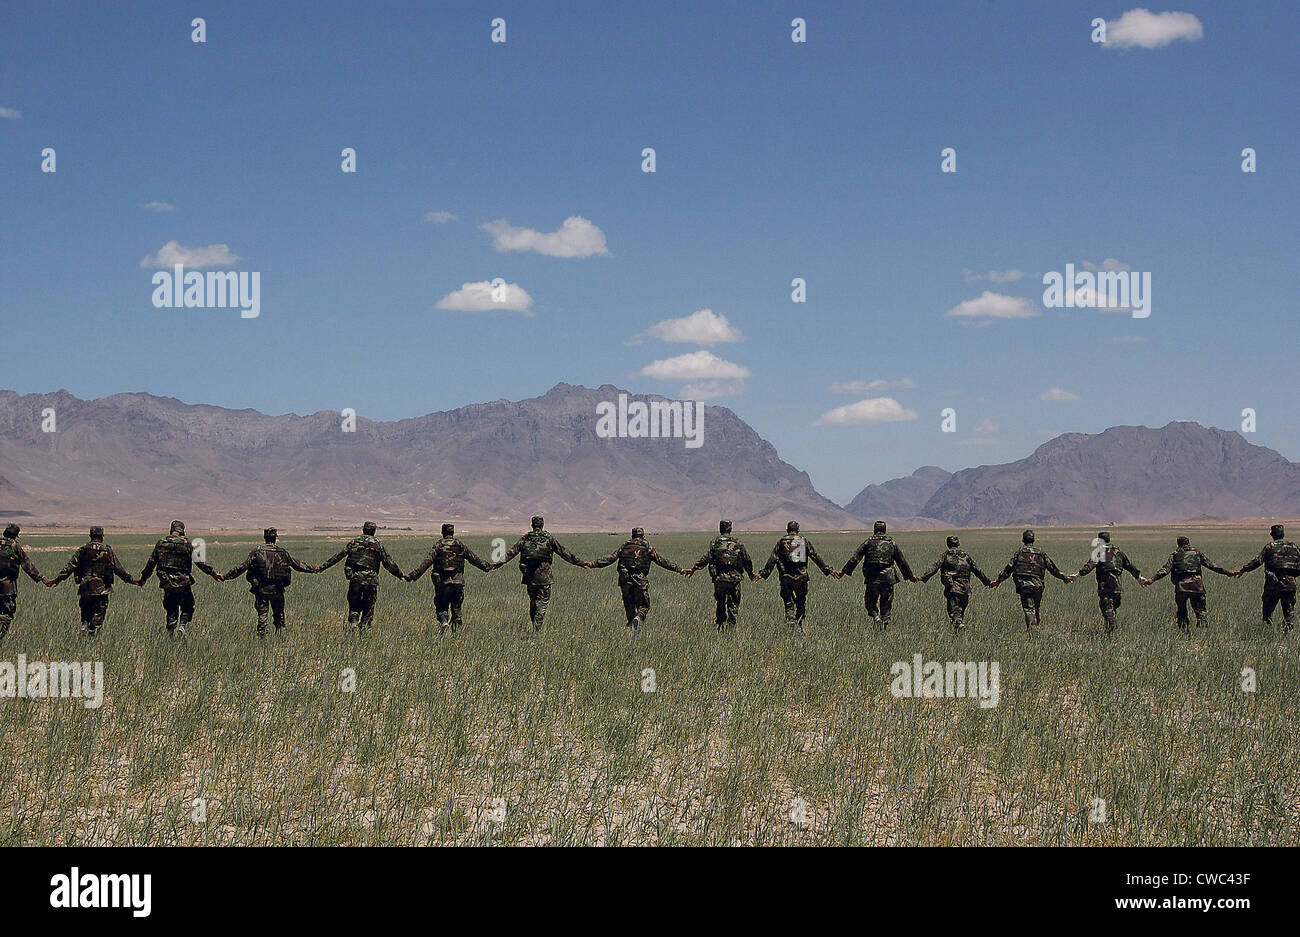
(775, 160)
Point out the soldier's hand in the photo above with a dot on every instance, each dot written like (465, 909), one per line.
(1144, 580)
(838, 574)
(588, 565)
(219, 577)
(916, 579)
(688, 573)
(48, 582)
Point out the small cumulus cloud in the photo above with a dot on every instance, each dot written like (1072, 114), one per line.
(865, 412)
(9, 113)
(172, 253)
(1140, 28)
(440, 217)
(989, 305)
(158, 206)
(702, 327)
(870, 387)
(985, 427)
(1058, 395)
(697, 366)
(479, 297)
(577, 237)
(1109, 265)
(710, 390)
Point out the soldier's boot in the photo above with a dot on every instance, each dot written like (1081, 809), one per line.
(957, 624)
(444, 621)
(1202, 620)
(354, 619)
(172, 619)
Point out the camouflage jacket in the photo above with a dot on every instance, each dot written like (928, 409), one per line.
(1281, 562)
(790, 557)
(447, 558)
(727, 559)
(365, 555)
(1110, 570)
(94, 565)
(878, 555)
(955, 567)
(634, 559)
(1184, 568)
(174, 561)
(535, 550)
(13, 560)
(1028, 568)
(257, 585)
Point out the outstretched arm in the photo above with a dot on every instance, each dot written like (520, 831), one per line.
(903, 568)
(854, 560)
(1133, 571)
(562, 552)
(1051, 568)
(320, 568)
(609, 560)
(663, 562)
(934, 568)
(771, 563)
(815, 557)
(149, 567)
(475, 560)
(121, 570)
(1160, 573)
(979, 573)
(1213, 566)
(1255, 563)
(28, 566)
(390, 564)
(66, 571)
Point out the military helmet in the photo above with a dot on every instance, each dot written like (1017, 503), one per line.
(953, 542)
(638, 533)
(538, 522)
(368, 528)
(11, 530)
(1103, 535)
(97, 533)
(1277, 531)
(178, 527)
(1027, 536)
(792, 527)
(878, 527)
(1184, 542)
(724, 527)
(269, 534)
(448, 530)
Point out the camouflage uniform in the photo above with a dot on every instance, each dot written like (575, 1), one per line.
(1184, 568)
(13, 559)
(1110, 564)
(94, 565)
(535, 550)
(955, 567)
(173, 557)
(365, 555)
(447, 558)
(1281, 562)
(268, 569)
(1027, 568)
(878, 555)
(728, 562)
(634, 559)
(790, 557)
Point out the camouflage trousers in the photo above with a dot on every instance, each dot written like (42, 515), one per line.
(1109, 602)
(539, 600)
(636, 602)
(361, 603)
(8, 608)
(268, 606)
(447, 601)
(1197, 601)
(93, 610)
(1031, 597)
(794, 595)
(1271, 601)
(879, 600)
(178, 604)
(957, 602)
(726, 598)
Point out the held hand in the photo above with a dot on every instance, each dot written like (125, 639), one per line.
(995, 583)
(48, 582)
(915, 579)
(219, 577)
(688, 573)
(589, 565)
(837, 574)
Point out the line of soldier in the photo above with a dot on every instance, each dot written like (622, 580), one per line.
(269, 568)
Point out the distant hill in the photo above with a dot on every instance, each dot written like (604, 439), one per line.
(898, 497)
(137, 459)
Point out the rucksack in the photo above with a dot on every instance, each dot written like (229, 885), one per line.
(634, 557)
(725, 553)
(364, 554)
(1286, 558)
(1186, 563)
(445, 555)
(1029, 562)
(95, 563)
(536, 547)
(174, 555)
(270, 566)
(880, 551)
(9, 558)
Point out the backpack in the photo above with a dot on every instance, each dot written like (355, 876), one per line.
(95, 563)
(1186, 563)
(445, 556)
(1029, 563)
(725, 553)
(1286, 559)
(363, 553)
(9, 559)
(955, 561)
(174, 555)
(270, 567)
(634, 557)
(880, 551)
(535, 548)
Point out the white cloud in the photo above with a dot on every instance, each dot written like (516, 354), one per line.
(985, 427)
(577, 237)
(994, 306)
(871, 410)
(695, 366)
(1140, 27)
(439, 217)
(708, 390)
(8, 113)
(1058, 395)
(702, 327)
(477, 297)
(158, 206)
(868, 387)
(1109, 265)
(171, 253)
(995, 276)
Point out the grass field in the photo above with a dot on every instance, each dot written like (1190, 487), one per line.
(754, 737)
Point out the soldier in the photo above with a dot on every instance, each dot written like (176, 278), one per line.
(365, 554)
(535, 550)
(1184, 568)
(955, 567)
(269, 571)
(174, 559)
(447, 557)
(878, 555)
(790, 557)
(1026, 568)
(728, 562)
(94, 565)
(13, 560)
(634, 559)
(1281, 562)
(1110, 562)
